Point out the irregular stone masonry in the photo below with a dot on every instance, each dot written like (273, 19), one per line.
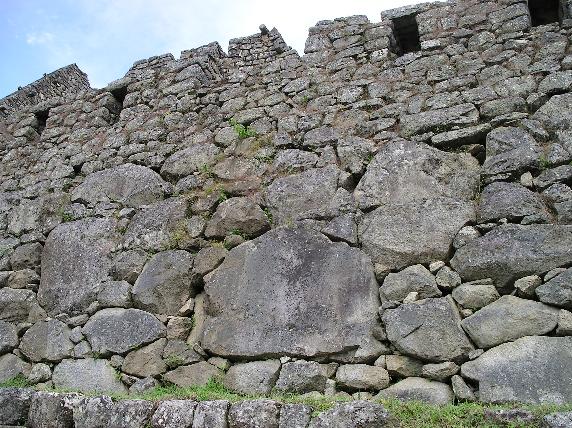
(389, 215)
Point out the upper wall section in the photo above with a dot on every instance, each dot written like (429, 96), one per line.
(64, 82)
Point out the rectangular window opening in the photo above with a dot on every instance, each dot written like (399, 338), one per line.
(42, 118)
(406, 34)
(543, 12)
(115, 108)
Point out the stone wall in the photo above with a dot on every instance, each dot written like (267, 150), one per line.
(360, 220)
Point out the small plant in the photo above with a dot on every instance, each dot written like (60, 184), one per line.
(241, 130)
(95, 355)
(19, 381)
(268, 214)
(206, 171)
(543, 162)
(222, 195)
(305, 100)
(174, 361)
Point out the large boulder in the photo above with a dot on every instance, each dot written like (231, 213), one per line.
(47, 341)
(420, 389)
(166, 283)
(19, 306)
(253, 378)
(12, 366)
(355, 414)
(254, 413)
(76, 260)
(237, 215)
(361, 377)
(423, 198)
(14, 406)
(439, 120)
(510, 252)
(509, 318)
(428, 330)
(146, 361)
(291, 292)
(95, 412)
(557, 291)
(189, 160)
(529, 370)
(304, 376)
(174, 414)
(198, 374)
(396, 286)
(311, 194)
(118, 330)
(511, 201)
(211, 414)
(51, 410)
(129, 184)
(556, 113)
(87, 375)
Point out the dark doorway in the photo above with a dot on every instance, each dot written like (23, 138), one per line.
(42, 118)
(544, 12)
(406, 34)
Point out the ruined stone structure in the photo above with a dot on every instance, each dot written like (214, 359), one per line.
(389, 215)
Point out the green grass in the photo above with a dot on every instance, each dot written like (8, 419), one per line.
(19, 381)
(406, 414)
(241, 130)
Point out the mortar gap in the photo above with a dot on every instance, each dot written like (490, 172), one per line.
(406, 33)
(543, 12)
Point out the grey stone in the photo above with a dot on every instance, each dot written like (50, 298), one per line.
(197, 374)
(115, 294)
(211, 414)
(557, 291)
(8, 337)
(465, 235)
(14, 406)
(310, 194)
(428, 330)
(127, 265)
(189, 160)
(43, 214)
(461, 390)
(354, 153)
(208, 259)
(119, 331)
(552, 176)
(302, 376)
(160, 226)
(51, 410)
(76, 260)
(527, 286)
(447, 278)
(295, 416)
(101, 412)
(510, 150)
(511, 201)
(440, 371)
(399, 235)
(27, 256)
(461, 137)
(179, 327)
(146, 361)
(237, 215)
(174, 414)
(166, 283)
(320, 137)
(143, 385)
(254, 414)
(510, 252)
(40, 373)
(558, 82)
(342, 228)
(557, 420)
(362, 377)
(402, 366)
(404, 172)
(476, 294)
(441, 119)
(355, 414)
(528, 370)
(12, 366)
(296, 315)
(556, 113)
(419, 389)
(564, 323)
(254, 378)
(509, 318)
(47, 341)
(87, 375)
(397, 286)
(25, 278)
(178, 353)
(131, 185)
(19, 306)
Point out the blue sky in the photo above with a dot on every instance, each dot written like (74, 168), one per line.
(105, 37)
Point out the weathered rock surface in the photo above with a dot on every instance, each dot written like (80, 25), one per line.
(327, 305)
(129, 184)
(8, 337)
(357, 414)
(419, 389)
(362, 377)
(87, 375)
(174, 414)
(194, 375)
(146, 361)
(254, 378)
(528, 370)
(47, 341)
(304, 376)
(511, 201)
(100, 412)
(19, 306)
(254, 413)
(510, 150)
(75, 261)
(190, 160)
(476, 294)
(294, 416)
(557, 291)
(166, 283)
(211, 414)
(557, 420)
(11, 366)
(240, 215)
(396, 286)
(118, 330)
(14, 406)
(428, 330)
(509, 318)
(510, 252)
(51, 410)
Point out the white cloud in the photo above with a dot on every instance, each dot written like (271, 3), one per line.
(39, 38)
